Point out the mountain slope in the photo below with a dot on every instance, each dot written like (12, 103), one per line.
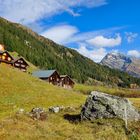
(123, 63)
(46, 54)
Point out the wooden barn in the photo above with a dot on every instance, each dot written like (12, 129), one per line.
(50, 76)
(20, 63)
(66, 81)
(5, 57)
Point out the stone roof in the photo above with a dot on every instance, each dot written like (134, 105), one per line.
(43, 73)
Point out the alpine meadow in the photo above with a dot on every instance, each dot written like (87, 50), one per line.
(69, 70)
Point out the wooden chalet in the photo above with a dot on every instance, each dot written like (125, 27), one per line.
(5, 57)
(66, 81)
(50, 76)
(20, 63)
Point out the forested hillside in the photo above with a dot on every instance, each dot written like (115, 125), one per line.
(46, 54)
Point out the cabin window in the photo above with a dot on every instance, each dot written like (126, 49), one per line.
(4, 54)
(51, 78)
(9, 59)
(16, 64)
(20, 61)
(23, 66)
(3, 57)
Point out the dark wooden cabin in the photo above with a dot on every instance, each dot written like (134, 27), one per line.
(66, 81)
(5, 57)
(20, 63)
(50, 76)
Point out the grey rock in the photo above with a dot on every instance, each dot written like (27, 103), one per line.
(38, 114)
(100, 105)
(56, 109)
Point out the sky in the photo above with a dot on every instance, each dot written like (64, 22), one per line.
(91, 27)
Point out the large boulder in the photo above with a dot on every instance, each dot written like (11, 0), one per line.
(101, 105)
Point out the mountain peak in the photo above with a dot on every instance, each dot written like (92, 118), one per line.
(117, 54)
(116, 60)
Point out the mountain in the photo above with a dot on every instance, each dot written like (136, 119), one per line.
(46, 54)
(124, 63)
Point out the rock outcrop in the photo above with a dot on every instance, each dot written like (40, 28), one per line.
(123, 63)
(101, 105)
(57, 109)
(38, 114)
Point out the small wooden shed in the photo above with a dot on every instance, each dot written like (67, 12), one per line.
(66, 81)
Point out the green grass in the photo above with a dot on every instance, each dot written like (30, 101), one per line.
(123, 92)
(20, 90)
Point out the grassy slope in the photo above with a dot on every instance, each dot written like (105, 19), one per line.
(19, 90)
(23, 91)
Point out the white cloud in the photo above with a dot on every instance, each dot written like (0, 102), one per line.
(66, 34)
(101, 41)
(94, 54)
(90, 35)
(134, 53)
(28, 11)
(60, 33)
(131, 36)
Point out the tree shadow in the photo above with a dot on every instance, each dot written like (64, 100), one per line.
(73, 118)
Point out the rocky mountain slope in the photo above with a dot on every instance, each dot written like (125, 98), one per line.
(46, 54)
(123, 63)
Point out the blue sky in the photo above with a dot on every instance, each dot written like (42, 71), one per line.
(92, 27)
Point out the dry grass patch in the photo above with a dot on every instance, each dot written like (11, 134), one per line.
(58, 128)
